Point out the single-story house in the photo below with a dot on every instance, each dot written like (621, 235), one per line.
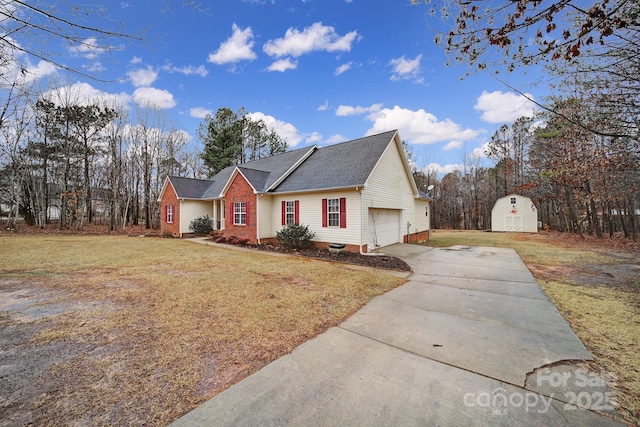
(514, 213)
(360, 193)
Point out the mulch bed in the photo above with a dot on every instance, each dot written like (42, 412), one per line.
(375, 261)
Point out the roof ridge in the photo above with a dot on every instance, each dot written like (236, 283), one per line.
(358, 139)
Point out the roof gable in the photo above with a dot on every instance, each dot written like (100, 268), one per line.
(348, 164)
(396, 145)
(262, 173)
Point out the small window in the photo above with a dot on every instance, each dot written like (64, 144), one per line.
(290, 213)
(513, 200)
(169, 214)
(333, 212)
(240, 213)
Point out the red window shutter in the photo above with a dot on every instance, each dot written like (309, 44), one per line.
(296, 214)
(166, 213)
(284, 213)
(248, 217)
(343, 212)
(231, 214)
(324, 212)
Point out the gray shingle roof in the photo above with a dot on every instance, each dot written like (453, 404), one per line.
(348, 164)
(276, 166)
(257, 178)
(188, 188)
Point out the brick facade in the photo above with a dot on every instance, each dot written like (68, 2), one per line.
(170, 198)
(420, 237)
(241, 191)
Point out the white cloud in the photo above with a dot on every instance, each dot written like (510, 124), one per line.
(325, 106)
(313, 138)
(317, 138)
(504, 107)
(343, 68)
(347, 110)
(317, 37)
(85, 94)
(481, 152)
(337, 138)
(32, 73)
(239, 47)
(286, 130)
(453, 145)
(136, 60)
(186, 70)
(406, 69)
(418, 127)
(88, 48)
(200, 112)
(143, 76)
(152, 97)
(443, 169)
(96, 67)
(283, 65)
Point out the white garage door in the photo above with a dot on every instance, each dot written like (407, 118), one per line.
(384, 227)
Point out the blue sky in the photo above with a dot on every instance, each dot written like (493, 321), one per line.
(317, 71)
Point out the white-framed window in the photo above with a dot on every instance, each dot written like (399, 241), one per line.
(240, 213)
(513, 200)
(333, 212)
(290, 212)
(169, 214)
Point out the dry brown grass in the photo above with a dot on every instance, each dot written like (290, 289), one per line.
(154, 327)
(595, 286)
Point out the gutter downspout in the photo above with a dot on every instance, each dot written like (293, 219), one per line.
(362, 216)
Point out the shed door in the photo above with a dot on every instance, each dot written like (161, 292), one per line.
(513, 223)
(384, 227)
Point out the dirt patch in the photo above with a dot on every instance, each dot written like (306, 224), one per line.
(111, 330)
(624, 276)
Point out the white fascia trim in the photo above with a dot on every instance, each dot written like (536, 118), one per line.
(319, 190)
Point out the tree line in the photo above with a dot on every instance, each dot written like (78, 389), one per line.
(72, 160)
(581, 181)
(579, 158)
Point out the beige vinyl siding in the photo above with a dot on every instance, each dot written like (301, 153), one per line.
(265, 216)
(422, 221)
(192, 209)
(311, 215)
(390, 188)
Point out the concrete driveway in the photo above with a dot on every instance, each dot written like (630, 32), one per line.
(469, 340)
